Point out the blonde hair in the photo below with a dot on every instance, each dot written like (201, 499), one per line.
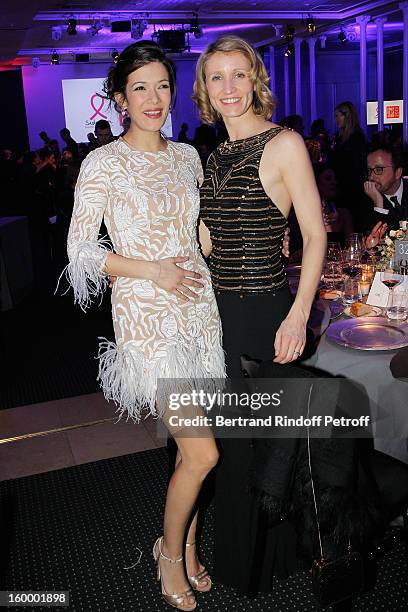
(263, 103)
(351, 120)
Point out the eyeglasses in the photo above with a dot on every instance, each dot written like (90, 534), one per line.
(378, 170)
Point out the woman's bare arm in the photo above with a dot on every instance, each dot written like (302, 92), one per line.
(204, 239)
(298, 180)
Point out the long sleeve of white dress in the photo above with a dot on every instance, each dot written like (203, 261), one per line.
(150, 204)
(86, 253)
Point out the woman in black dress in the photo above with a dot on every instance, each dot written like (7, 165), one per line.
(349, 157)
(250, 184)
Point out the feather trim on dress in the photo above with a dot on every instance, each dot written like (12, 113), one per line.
(84, 271)
(137, 384)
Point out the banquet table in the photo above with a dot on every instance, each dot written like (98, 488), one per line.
(16, 268)
(388, 396)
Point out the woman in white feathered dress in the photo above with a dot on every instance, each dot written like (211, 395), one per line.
(165, 315)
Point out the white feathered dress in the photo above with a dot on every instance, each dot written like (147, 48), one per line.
(150, 205)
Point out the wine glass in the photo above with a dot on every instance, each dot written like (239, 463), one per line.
(397, 305)
(353, 242)
(390, 278)
(333, 252)
(351, 261)
(370, 245)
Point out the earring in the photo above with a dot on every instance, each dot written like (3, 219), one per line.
(124, 112)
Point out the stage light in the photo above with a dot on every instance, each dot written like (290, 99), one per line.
(115, 56)
(35, 62)
(195, 27)
(351, 34)
(290, 50)
(310, 25)
(56, 33)
(71, 27)
(173, 41)
(95, 27)
(137, 28)
(342, 37)
(55, 58)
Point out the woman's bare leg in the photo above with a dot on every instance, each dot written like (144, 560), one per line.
(193, 565)
(198, 457)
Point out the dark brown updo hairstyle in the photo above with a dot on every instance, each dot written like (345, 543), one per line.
(132, 58)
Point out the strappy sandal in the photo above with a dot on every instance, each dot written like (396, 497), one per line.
(177, 600)
(199, 577)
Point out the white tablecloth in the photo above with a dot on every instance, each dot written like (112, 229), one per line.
(388, 396)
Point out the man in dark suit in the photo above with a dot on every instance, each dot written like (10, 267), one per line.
(386, 190)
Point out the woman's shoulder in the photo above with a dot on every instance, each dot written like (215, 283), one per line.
(284, 141)
(184, 148)
(95, 156)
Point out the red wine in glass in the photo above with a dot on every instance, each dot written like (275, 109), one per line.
(350, 269)
(390, 283)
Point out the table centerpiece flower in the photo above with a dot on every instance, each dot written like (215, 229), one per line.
(386, 250)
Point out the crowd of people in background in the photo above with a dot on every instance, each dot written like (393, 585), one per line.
(40, 184)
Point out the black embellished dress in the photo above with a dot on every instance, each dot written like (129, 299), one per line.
(253, 297)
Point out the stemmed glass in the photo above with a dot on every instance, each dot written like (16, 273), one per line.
(353, 241)
(390, 278)
(331, 272)
(370, 244)
(333, 252)
(351, 261)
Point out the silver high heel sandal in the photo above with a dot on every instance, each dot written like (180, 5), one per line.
(197, 578)
(177, 600)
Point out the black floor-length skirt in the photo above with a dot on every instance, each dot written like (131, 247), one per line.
(249, 551)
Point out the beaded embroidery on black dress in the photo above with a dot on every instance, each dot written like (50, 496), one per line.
(246, 227)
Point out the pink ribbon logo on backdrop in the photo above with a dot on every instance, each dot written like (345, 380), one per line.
(97, 110)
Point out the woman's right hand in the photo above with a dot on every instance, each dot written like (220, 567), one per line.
(175, 279)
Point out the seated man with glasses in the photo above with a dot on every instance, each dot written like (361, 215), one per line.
(386, 189)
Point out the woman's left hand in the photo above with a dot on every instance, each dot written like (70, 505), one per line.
(290, 338)
(286, 243)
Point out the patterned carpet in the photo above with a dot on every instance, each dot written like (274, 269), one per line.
(77, 529)
(48, 348)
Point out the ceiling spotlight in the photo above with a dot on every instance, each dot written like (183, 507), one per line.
(115, 56)
(290, 50)
(54, 58)
(56, 33)
(342, 37)
(72, 24)
(195, 27)
(95, 27)
(138, 27)
(351, 34)
(310, 25)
